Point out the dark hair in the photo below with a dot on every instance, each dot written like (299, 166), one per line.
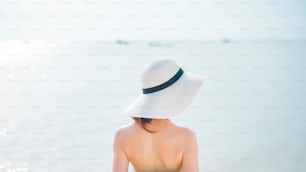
(142, 122)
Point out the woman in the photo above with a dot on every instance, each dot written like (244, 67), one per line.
(153, 143)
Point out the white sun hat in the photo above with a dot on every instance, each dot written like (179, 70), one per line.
(166, 90)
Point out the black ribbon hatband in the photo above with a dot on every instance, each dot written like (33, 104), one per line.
(165, 84)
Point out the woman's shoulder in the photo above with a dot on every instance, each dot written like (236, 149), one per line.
(185, 132)
(125, 130)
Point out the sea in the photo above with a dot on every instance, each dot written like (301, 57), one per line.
(62, 101)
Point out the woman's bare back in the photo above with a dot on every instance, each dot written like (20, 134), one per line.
(162, 151)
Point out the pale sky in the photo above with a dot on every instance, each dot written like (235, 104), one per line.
(152, 20)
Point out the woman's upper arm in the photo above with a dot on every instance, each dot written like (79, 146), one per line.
(120, 161)
(190, 156)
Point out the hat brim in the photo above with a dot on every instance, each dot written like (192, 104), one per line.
(169, 101)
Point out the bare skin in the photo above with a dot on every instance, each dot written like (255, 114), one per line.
(171, 149)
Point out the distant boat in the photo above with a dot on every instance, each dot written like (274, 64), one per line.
(122, 42)
(226, 40)
(159, 44)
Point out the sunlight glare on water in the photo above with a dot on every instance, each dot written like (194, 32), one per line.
(64, 102)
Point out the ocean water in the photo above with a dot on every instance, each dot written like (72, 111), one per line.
(61, 102)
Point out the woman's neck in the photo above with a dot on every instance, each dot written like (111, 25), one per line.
(159, 124)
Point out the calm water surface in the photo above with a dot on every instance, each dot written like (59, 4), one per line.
(61, 102)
